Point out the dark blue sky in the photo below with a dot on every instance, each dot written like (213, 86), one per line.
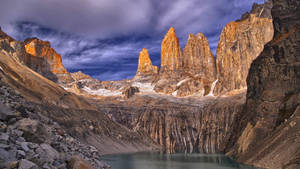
(103, 38)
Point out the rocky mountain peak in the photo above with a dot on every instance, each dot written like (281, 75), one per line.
(145, 66)
(42, 49)
(170, 52)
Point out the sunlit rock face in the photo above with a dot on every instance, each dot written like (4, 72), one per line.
(145, 66)
(268, 128)
(42, 49)
(171, 55)
(240, 43)
(198, 58)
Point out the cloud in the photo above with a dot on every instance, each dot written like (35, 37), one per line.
(104, 37)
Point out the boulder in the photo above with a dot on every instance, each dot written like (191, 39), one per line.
(34, 131)
(25, 164)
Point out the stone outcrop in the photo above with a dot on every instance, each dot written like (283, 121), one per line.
(130, 91)
(240, 43)
(43, 59)
(269, 125)
(145, 66)
(171, 55)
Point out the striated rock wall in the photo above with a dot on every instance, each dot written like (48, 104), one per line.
(240, 43)
(268, 128)
(179, 125)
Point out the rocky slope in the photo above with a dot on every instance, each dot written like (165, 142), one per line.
(240, 43)
(29, 139)
(74, 114)
(270, 121)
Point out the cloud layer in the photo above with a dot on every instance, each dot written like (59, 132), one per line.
(104, 37)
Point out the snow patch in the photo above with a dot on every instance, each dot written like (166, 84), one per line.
(175, 93)
(213, 85)
(102, 92)
(182, 81)
(143, 87)
(1, 69)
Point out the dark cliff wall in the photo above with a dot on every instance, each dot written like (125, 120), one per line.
(270, 121)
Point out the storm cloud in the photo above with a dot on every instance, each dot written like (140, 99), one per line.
(103, 37)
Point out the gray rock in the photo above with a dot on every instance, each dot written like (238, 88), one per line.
(50, 152)
(25, 164)
(21, 139)
(6, 157)
(4, 138)
(24, 146)
(20, 154)
(6, 113)
(33, 145)
(4, 146)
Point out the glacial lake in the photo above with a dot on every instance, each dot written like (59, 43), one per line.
(172, 161)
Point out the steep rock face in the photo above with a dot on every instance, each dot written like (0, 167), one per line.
(179, 125)
(198, 59)
(270, 121)
(145, 66)
(43, 59)
(171, 56)
(240, 43)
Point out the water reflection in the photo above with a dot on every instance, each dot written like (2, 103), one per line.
(172, 161)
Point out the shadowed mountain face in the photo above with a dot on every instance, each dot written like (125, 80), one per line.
(270, 120)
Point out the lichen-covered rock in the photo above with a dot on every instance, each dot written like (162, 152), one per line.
(240, 43)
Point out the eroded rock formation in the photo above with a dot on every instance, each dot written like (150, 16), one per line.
(240, 43)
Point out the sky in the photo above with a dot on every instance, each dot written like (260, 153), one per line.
(103, 38)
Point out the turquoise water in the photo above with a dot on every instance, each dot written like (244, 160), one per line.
(172, 161)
